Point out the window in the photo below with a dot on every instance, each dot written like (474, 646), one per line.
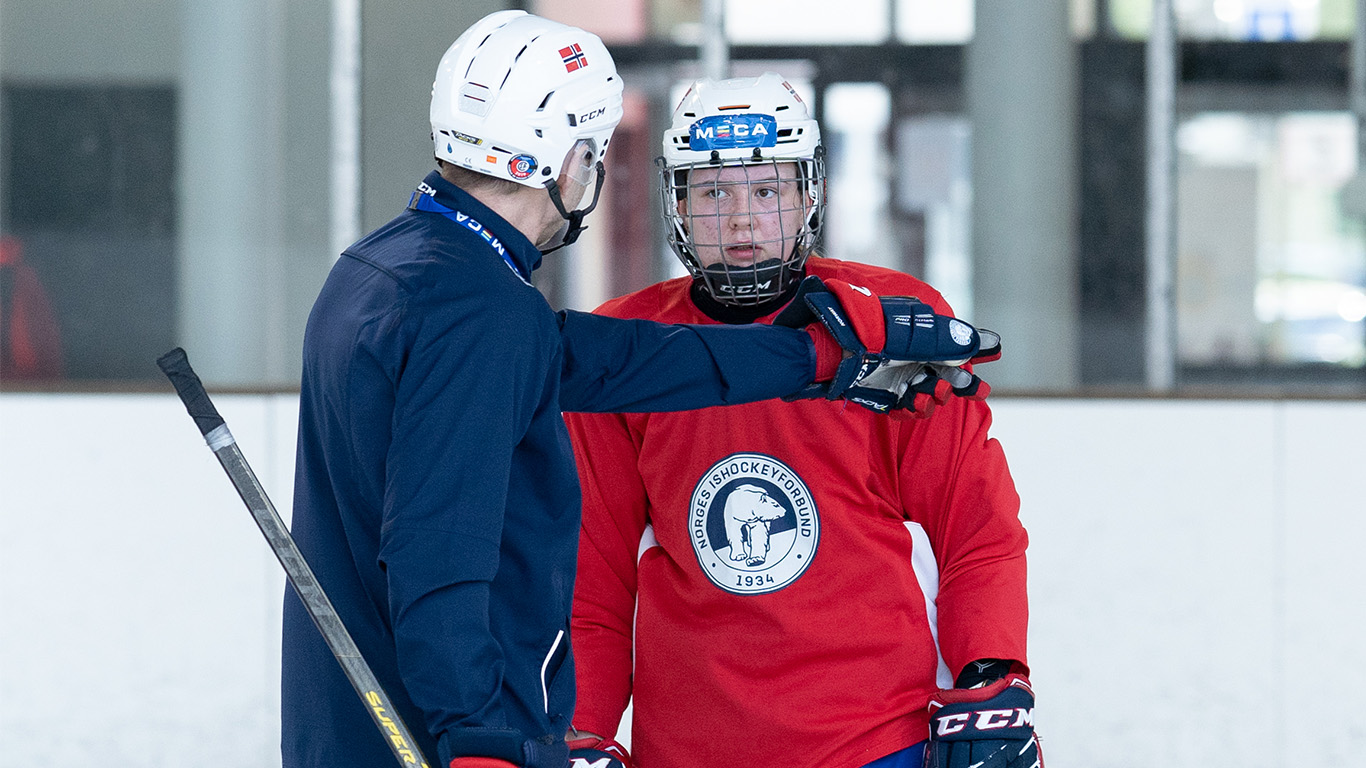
(1247, 20)
(1271, 269)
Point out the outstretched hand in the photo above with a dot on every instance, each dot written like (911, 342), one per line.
(896, 354)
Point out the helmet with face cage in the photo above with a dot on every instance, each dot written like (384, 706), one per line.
(748, 123)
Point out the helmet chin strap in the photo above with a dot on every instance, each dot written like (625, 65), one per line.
(575, 218)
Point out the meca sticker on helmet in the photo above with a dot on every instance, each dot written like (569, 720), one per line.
(730, 131)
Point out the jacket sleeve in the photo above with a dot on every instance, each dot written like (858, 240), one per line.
(636, 366)
(445, 498)
(614, 518)
(957, 486)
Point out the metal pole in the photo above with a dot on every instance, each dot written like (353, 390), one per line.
(715, 51)
(1353, 198)
(346, 106)
(1358, 82)
(1161, 200)
(1353, 193)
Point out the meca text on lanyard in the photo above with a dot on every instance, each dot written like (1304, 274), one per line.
(422, 200)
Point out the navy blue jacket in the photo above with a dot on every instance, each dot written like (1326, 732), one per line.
(435, 493)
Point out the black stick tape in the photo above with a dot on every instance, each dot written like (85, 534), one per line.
(176, 365)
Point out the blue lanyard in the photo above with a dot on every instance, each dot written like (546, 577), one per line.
(421, 201)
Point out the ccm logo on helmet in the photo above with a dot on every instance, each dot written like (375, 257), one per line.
(986, 720)
(592, 114)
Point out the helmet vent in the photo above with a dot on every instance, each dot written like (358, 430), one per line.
(470, 65)
(544, 101)
(474, 98)
(508, 73)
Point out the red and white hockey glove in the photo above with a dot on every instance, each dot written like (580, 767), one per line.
(592, 752)
(875, 332)
(987, 727)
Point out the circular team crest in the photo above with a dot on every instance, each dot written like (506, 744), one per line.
(753, 524)
(522, 166)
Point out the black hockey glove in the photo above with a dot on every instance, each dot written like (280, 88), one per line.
(880, 332)
(592, 752)
(987, 727)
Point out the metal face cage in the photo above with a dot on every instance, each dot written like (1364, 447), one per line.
(744, 228)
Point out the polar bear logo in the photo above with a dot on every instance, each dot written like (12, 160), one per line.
(749, 510)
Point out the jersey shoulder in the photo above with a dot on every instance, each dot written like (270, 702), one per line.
(666, 301)
(880, 280)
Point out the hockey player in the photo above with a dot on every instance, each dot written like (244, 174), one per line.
(435, 490)
(791, 585)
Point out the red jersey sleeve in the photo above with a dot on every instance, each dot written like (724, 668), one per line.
(614, 519)
(957, 486)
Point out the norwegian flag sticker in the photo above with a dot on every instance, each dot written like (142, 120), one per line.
(573, 58)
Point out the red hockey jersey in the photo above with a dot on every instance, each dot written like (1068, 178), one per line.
(785, 584)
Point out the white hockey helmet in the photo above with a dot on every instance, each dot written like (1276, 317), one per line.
(744, 122)
(516, 92)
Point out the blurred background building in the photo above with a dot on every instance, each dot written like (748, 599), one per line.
(185, 173)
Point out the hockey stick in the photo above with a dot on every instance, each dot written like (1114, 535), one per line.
(176, 366)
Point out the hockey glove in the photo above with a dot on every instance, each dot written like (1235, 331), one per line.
(914, 390)
(592, 752)
(987, 727)
(874, 332)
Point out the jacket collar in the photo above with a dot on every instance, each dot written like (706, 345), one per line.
(522, 251)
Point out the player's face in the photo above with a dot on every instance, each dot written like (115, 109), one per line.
(743, 215)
